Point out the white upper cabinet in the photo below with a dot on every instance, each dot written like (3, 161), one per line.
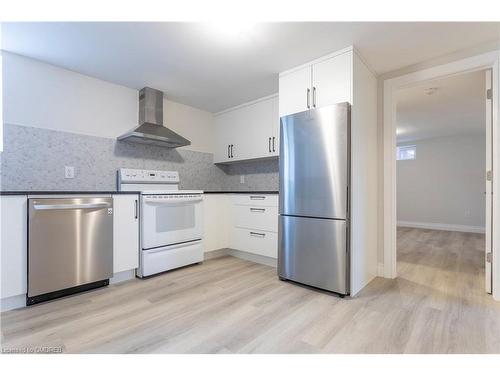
(224, 135)
(249, 131)
(331, 81)
(275, 144)
(295, 91)
(320, 83)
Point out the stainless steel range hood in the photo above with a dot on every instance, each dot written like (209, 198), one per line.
(151, 130)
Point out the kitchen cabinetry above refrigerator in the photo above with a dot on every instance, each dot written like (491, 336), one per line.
(323, 82)
(249, 131)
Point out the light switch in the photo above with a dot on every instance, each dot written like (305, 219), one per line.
(242, 179)
(69, 172)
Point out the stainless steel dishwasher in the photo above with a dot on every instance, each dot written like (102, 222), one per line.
(70, 245)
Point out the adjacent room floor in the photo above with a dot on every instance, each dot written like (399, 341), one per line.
(228, 305)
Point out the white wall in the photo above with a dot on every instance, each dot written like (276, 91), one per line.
(455, 56)
(445, 184)
(45, 96)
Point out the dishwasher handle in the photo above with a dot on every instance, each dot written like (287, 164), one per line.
(83, 206)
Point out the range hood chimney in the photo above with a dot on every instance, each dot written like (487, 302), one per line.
(151, 130)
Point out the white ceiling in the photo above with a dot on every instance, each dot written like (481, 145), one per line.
(195, 64)
(456, 107)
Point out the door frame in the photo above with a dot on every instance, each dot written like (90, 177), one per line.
(490, 60)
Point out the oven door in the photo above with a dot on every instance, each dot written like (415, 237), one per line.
(171, 219)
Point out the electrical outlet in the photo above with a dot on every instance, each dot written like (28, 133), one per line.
(69, 172)
(242, 179)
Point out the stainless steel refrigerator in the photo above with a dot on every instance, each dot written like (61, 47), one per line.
(314, 203)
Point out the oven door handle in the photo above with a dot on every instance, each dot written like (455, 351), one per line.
(172, 201)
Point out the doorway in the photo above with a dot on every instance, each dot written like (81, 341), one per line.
(441, 157)
(390, 87)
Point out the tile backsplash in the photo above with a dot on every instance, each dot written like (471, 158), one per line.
(34, 159)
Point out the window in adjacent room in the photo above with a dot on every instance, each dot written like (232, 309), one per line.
(406, 152)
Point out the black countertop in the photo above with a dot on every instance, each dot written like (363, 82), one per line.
(242, 192)
(52, 192)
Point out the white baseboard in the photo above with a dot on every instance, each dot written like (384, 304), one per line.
(380, 269)
(215, 253)
(267, 261)
(14, 302)
(441, 226)
(122, 276)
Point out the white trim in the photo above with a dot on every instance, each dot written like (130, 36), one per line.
(442, 226)
(14, 302)
(246, 104)
(261, 259)
(380, 269)
(217, 253)
(318, 60)
(122, 276)
(474, 63)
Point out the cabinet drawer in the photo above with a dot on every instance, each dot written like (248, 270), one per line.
(255, 242)
(256, 217)
(257, 200)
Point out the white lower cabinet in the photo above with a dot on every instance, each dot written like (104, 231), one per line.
(254, 228)
(256, 217)
(255, 241)
(125, 232)
(14, 245)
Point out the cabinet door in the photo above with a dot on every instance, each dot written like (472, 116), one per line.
(224, 136)
(275, 144)
(125, 232)
(294, 91)
(331, 80)
(255, 131)
(14, 245)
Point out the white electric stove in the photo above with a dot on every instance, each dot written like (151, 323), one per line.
(171, 220)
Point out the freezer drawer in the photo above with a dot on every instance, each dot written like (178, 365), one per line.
(314, 252)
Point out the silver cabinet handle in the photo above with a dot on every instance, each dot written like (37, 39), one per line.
(269, 144)
(314, 97)
(308, 98)
(257, 197)
(87, 206)
(228, 151)
(232, 151)
(273, 145)
(136, 209)
(257, 234)
(253, 209)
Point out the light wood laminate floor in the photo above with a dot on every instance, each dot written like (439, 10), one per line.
(228, 305)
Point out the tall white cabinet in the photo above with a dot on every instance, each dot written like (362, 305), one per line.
(248, 131)
(125, 232)
(342, 76)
